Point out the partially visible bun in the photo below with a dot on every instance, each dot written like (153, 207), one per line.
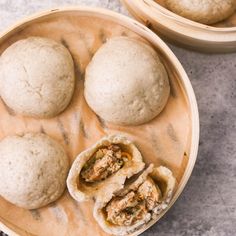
(203, 11)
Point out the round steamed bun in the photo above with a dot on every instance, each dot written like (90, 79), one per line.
(126, 83)
(37, 77)
(33, 170)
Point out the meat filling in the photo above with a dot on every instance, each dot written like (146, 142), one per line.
(128, 209)
(105, 162)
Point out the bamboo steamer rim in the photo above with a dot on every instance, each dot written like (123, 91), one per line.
(152, 10)
(139, 28)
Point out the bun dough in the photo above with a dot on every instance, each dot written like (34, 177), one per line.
(33, 170)
(203, 11)
(126, 83)
(37, 77)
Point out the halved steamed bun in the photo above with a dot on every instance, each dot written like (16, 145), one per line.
(104, 167)
(126, 211)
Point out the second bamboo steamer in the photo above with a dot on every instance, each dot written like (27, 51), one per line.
(219, 37)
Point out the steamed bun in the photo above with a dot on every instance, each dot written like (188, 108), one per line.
(37, 77)
(126, 83)
(203, 11)
(33, 170)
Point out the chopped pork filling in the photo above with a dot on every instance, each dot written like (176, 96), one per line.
(128, 209)
(105, 162)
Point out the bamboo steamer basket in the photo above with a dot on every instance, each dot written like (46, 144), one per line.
(170, 139)
(220, 37)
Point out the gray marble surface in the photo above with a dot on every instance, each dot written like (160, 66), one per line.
(207, 207)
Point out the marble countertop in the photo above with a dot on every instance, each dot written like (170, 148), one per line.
(207, 207)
